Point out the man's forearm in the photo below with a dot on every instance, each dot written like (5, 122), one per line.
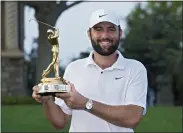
(54, 114)
(124, 115)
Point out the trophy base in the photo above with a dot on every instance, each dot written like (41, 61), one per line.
(50, 86)
(49, 93)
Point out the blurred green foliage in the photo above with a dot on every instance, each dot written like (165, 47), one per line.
(154, 37)
(17, 100)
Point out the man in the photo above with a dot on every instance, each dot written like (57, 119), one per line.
(108, 91)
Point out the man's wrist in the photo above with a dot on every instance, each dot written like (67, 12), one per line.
(84, 103)
(48, 101)
(89, 105)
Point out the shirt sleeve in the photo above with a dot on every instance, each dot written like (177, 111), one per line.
(136, 93)
(63, 106)
(61, 102)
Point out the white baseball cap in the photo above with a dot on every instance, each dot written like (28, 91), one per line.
(102, 15)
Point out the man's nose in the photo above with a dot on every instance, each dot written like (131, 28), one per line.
(105, 34)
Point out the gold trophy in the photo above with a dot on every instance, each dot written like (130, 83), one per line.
(50, 86)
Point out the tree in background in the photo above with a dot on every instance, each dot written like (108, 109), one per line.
(154, 32)
(82, 55)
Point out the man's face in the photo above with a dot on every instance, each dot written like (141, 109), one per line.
(105, 38)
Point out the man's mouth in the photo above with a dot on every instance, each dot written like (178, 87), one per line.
(105, 42)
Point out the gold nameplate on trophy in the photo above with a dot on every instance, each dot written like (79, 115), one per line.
(50, 86)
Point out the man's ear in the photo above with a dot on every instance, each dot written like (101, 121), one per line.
(120, 33)
(89, 34)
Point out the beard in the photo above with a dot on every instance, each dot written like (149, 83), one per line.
(105, 51)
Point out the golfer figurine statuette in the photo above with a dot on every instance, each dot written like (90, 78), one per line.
(50, 86)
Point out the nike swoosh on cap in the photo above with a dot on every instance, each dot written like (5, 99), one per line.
(102, 15)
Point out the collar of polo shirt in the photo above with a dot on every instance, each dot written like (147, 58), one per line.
(119, 64)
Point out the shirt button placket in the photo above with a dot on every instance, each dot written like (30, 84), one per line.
(100, 83)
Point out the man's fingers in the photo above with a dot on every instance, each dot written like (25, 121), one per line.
(67, 82)
(71, 85)
(35, 94)
(36, 97)
(35, 88)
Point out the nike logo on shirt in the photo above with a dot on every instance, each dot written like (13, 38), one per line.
(118, 78)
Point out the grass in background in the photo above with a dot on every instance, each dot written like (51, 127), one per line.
(31, 118)
(162, 119)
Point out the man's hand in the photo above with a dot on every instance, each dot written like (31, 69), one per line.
(73, 99)
(38, 98)
(53, 112)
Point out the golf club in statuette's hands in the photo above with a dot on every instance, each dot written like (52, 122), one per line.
(50, 86)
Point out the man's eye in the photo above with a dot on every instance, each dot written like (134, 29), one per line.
(112, 29)
(98, 29)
